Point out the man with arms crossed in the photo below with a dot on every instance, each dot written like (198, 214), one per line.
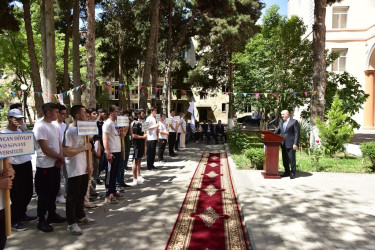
(163, 133)
(289, 129)
(74, 148)
(48, 163)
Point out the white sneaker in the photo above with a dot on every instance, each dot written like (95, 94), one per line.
(74, 229)
(87, 220)
(61, 199)
(140, 178)
(135, 182)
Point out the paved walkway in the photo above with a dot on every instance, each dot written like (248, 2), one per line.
(313, 211)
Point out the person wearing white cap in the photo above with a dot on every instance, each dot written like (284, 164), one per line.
(22, 190)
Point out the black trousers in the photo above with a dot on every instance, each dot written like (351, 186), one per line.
(77, 187)
(22, 190)
(289, 157)
(171, 142)
(177, 144)
(47, 185)
(151, 153)
(208, 136)
(3, 236)
(111, 174)
(162, 144)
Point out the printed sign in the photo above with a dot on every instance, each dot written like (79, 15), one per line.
(157, 117)
(145, 126)
(168, 121)
(16, 144)
(122, 121)
(177, 118)
(87, 128)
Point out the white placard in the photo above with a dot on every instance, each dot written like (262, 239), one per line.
(16, 144)
(157, 117)
(145, 126)
(177, 118)
(87, 128)
(168, 121)
(122, 121)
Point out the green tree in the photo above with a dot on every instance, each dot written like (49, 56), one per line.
(276, 64)
(336, 130)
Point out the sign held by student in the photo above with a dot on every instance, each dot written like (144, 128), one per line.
(16, 144)
(87, 128)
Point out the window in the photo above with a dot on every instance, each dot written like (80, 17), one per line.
(203, 96)
(340, 64)
(223, 107)
(135, 105)
(224, 88)
(339, 17)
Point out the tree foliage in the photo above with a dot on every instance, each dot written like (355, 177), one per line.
(275, 61)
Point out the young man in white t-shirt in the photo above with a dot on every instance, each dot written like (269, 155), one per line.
(112, 146)
(61, 126)
(74, 149)
(163, 135)
(22, 190)
(152, 139)
(172, 134)
(48, 163)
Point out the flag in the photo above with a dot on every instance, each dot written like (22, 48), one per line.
(191, 110)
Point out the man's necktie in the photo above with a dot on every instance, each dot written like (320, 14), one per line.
(284, 126)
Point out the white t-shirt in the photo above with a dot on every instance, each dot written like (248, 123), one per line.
(46, 131)
(18, 159)
(75, 165)
(151, 133)
(174, 124)
(182, 123)
(162, 127)
(61, 128)
(114, 140)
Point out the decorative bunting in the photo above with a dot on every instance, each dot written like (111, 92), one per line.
(19, 93)
(305, 93)
(266, 94)
(156, 89)
(294, 94)
(257, 95)
(314, 92)
(139, 87)
(244, 94)
(183, 92)
(284, 94)
(148, 88)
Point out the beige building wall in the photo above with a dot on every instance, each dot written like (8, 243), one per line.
(354, 38)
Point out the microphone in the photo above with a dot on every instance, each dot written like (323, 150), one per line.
(272, 121)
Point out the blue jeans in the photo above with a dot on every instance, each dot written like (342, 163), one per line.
(121, 169)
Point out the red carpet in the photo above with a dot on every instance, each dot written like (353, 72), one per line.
(209, 217)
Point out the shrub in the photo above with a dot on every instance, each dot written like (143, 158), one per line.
(4, 114)
(304, 140)
(336, 131)
(368, 150)
(256, 156)
(237, 139)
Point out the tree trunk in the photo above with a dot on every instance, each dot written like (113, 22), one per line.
(231, 110)
(51, 50)
(150, 50)
(44, 51)
(121, 79)
(76, 63)
(90, 46)
(66, 77)
(166, 98)
(319, 75)
(33, 60)
(155, 67)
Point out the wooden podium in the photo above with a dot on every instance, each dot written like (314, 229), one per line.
(272, 143)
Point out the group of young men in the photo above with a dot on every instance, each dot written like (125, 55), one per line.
(62, 153)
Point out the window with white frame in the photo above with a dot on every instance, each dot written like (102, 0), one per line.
(339, 17)
(339, 65)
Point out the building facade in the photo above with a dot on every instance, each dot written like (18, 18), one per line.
(350, 31)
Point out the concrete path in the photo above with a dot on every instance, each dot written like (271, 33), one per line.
(313, 211)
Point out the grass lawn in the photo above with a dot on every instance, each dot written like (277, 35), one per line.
(349, 164)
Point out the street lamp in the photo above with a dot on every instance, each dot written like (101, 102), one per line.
(24, 87)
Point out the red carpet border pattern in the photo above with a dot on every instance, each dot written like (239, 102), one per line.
(209, 217)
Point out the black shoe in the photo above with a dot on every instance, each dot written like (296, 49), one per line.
(94, 194)
(56, 218)
(292, 176)
(99, 182)
(44, 226)
(125, 185)
(176, 149)
(28, 218)
(18, 227)
(174, 155)
(285, 175)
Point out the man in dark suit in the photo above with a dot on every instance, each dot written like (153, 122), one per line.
(289, 129)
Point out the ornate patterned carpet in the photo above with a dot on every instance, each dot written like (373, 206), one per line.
(209, 217)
